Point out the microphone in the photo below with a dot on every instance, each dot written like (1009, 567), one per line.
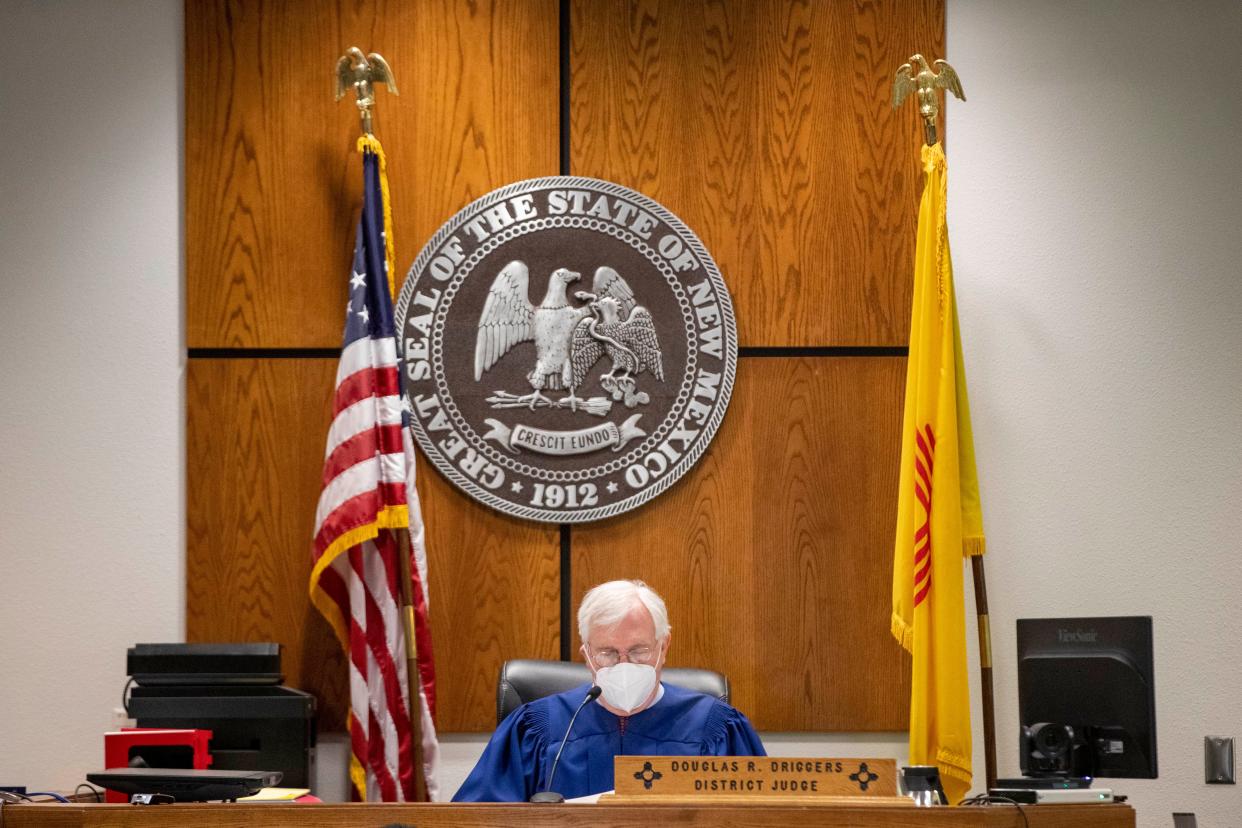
(549, 795)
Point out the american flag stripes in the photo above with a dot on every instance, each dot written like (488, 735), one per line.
(368, 496)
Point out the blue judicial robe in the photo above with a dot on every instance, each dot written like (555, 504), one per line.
(519, 756)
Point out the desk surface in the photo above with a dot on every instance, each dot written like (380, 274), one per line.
(445, 815)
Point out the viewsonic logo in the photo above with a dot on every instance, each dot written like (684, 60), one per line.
(1077, 636)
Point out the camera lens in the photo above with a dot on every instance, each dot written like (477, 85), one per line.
(1052, 740)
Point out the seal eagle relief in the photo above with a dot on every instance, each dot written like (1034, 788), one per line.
(586, 402)
(568, 340)
(630, 343)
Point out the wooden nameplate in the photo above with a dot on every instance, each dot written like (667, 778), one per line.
(756, 779)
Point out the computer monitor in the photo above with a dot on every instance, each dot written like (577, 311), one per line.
(185, 785)
(1086, 697)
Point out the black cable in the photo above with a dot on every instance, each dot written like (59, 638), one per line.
(98, 792)
(988, 799)
(564, 86)
(567, 588)
(125, 695)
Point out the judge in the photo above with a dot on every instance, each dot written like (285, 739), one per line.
(625, 632)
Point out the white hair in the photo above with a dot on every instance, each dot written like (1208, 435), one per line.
(608, 603)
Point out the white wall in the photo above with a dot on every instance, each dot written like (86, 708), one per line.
(91, 472)
(1094, 218)
(1096, 224)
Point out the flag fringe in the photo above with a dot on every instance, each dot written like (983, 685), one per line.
(903, 632)
(954, 768)
(973, 546)
(369, 143)
(390, 517)
(357, 774)
(954, 764)
(934, 160)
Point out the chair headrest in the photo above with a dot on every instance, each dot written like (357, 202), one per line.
(526, 679)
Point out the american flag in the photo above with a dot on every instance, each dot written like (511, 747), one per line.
(368, 495)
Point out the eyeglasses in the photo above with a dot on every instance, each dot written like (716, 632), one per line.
(609, 657)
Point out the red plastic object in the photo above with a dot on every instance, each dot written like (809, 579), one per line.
(119, 744)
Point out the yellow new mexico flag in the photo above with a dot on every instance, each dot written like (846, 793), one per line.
(939, 521)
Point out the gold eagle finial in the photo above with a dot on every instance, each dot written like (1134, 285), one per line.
(362, 72)
(925, 83)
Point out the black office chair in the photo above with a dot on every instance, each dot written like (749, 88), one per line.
(526, 679)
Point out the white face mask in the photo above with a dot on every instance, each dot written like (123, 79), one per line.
(626, 685)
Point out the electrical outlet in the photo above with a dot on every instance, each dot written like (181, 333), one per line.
(1218, 760)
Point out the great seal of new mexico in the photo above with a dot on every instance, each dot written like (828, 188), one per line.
(568, 349)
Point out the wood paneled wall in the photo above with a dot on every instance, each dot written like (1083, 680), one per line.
(770, 552)
(273, 188)
(765, 125)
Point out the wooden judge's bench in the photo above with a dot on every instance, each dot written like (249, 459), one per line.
(736, 792)
(636, 815)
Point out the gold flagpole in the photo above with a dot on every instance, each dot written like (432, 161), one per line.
(362, 72)
(413, 676)
(985, 669)
(924, 83)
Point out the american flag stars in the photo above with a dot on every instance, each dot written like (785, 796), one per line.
(358, 296)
